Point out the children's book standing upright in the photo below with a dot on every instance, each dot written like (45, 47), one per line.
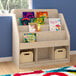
(42, 14)
(38, 20)
(30, 37)
(34, 27)
(24, 21)
(28, 15)
(55, 24)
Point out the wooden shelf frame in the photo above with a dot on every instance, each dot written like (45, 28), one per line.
(50, 41)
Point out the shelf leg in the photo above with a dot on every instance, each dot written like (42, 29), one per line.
(68, 52)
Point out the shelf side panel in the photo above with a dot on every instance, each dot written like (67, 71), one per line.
(15, 41)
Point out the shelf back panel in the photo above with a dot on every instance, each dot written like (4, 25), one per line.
(53, 13)
(46, 55)
(42, 55)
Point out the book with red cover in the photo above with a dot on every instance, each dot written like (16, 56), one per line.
(42, 14)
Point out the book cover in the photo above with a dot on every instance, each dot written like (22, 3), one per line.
(24, 21)
(28, 15)
(30, 37)
(34, 27)
(42, 14)
(38, 20)
(55, 24)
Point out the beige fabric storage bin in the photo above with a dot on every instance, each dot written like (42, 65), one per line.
(60, 53)
(26, 57)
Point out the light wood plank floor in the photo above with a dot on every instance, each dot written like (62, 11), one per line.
(9, 67)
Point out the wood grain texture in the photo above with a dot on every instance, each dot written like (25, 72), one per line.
(15, 41)
(45, 39)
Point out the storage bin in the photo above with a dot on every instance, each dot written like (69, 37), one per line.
(60, 53)
(26, 57)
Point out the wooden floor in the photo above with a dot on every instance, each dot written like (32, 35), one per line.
(9, 67)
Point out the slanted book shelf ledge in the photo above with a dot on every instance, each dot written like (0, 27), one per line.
(44, 44)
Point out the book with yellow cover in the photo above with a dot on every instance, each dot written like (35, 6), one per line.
(30, 37)
(38, 20)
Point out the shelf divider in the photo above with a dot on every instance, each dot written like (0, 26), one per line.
(36, 55)
(52, 51)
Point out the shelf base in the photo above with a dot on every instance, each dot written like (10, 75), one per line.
(41, 63)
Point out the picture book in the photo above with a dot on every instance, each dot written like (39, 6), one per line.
(28, 15)
(24, 21)
(38, 20)
(55, 24)
(42, 14)
(34, 27)
(30, 37)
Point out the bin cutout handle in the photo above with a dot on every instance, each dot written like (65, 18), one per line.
(27, 54)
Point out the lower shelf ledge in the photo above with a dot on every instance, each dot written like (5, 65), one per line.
(44, 44)
(27, 63)
(52, 61)
(44, 63)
